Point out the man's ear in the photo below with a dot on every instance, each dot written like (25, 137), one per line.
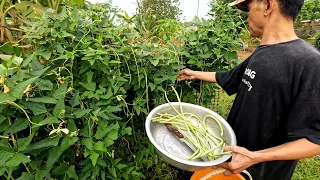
(270, 5)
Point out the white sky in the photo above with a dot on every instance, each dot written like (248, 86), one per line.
(188, 7)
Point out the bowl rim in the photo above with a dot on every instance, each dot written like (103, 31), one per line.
(222, 159)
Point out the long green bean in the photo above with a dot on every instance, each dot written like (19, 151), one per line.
(196, 134)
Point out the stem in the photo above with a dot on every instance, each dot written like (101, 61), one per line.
(49, 4)
(135, 60)
(27, 168)
(1, 7)
(19, 107)
(147, 92)
(57, 5)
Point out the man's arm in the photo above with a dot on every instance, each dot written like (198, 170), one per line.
(188, 74)
(206, 76)
(242, 158)
(298, 149)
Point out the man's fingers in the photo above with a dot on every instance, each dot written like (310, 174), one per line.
(234, 149)
(224, 165)
(229, 148)
(227, 173)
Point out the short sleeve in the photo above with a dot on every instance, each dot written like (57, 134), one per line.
(304, 118)
(230, 80)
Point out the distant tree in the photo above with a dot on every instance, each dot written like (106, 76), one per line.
(160, 9)
(310, 11)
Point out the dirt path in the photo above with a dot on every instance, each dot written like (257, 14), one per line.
(244, 54)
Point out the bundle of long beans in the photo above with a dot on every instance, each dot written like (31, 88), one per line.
(197, 134)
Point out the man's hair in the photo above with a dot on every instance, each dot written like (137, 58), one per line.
(290, 8)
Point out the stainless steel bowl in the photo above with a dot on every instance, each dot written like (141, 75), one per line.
(175, 152)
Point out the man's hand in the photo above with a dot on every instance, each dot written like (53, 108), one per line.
(186, 74)
(241, 160)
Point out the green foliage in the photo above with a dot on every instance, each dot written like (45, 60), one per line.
(232, 19)
(307, 169)
(74, 108)
(151, 14)
(160, 9)
(317, 43)
(310, 11)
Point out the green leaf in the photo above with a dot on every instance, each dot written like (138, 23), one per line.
(113, 134)
(152, 86)
(206, 55)
(128, 131)
(18, 125)
(39, 72)
(46, 54)
(89, 76)
(154, 62)
(26, 176)
(2, 118)
(17, 91)
(60, 49)
(44, 99)
(75, 100)
(47, 142)
(17, 159)
(55, 153)
(48, 120)
(89, 86)
(6, 47)
(94, 157)
(112, 171)
(72, 172)
(96, 112)
(114, 62)
(5, 155)
(81, 112)
(24, 143)
(88, 143)
(40, 175)
(36, 108)
(84, 66)
(86, 152)
(59, 109)
(71, 125)
(121, 166)
(6, 97)
(60, 93)
(36, 65)
(103, 130)
(4, 126)
(44, 85)
(27, 60)
(111, 109)
(61, 169)
(99, 146)
(2, 170)
(109, 94)
(192, 61)
(108, 142)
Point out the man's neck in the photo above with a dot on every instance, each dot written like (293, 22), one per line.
(277, 31)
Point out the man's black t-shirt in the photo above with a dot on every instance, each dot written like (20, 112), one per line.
(278, 101)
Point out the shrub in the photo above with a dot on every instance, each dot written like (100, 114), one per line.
(75, 106)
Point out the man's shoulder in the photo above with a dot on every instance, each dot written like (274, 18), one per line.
(303, 53)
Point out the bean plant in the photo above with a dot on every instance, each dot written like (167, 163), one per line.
(74, 101)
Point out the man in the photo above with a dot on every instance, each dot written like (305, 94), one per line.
(276, 113)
